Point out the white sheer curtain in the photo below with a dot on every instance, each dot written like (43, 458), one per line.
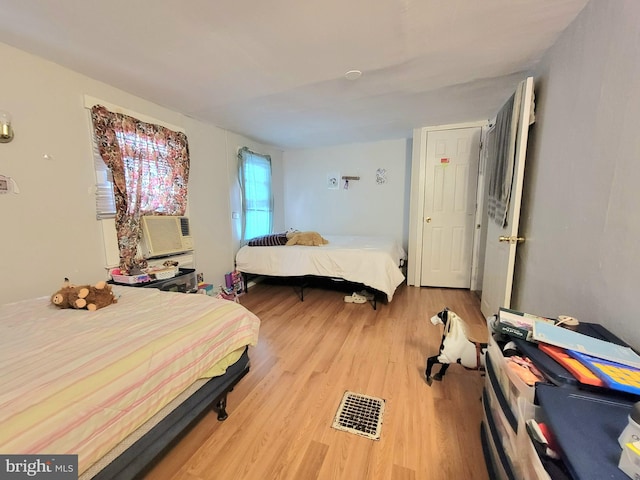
(254, 173)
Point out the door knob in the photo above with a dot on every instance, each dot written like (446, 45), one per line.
(512, 239)
(427, 220)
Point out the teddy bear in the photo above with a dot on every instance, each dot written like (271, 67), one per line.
(83, 297)
(62, 298)
(69, 296)
(310, 239)
(100, 295)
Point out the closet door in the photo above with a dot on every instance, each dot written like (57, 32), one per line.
(451, 179)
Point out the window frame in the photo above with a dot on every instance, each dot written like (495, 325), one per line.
(247, 158)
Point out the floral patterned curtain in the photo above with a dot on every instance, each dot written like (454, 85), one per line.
(150, 167)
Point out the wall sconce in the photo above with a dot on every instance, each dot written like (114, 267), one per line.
(6, 132)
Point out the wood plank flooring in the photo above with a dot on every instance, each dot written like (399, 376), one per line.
(308, 355)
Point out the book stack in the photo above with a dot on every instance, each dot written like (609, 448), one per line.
(518, 324)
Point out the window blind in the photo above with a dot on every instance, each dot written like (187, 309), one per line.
(105, 200)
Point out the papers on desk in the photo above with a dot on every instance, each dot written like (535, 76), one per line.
(570, 340)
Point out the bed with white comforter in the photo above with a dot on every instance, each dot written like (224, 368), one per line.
(370, 261)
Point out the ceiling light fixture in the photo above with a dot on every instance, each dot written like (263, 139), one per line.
(353, 74)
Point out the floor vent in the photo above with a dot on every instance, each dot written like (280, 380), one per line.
(360, 414)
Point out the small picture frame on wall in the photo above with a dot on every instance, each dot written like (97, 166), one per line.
(333, 181)
(381, 176)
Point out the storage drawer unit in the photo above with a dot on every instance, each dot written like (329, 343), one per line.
(499, 403)
(531, 467)
(505, 423)
(585, 424)
(512, 386)
(511, 403)
(498, 461)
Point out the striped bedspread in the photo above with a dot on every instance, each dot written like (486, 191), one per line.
(74, 381)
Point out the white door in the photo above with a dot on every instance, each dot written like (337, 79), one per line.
(501, 245)
(451, 183)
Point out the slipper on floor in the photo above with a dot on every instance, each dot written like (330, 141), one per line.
(355, 298)
(366, 294)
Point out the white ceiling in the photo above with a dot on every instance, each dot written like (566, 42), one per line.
(274, 70)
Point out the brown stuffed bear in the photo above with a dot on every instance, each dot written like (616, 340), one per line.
(77, 296)
(99, 296)
(70, 296)
(62, 298)
(83, 297)
(310, 239)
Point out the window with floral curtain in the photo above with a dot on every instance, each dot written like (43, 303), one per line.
(150, 168)
(254, 172)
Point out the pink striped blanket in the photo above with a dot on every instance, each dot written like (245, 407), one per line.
(78, 382)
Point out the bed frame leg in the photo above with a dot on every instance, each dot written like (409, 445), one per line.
(221, 408)
(245, 281)
(300, 294)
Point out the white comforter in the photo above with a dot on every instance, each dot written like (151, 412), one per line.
(372, 261)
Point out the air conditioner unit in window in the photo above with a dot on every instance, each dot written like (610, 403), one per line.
(165, 235)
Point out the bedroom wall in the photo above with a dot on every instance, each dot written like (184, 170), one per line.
(580, 211)
(49, 230)
(215, 199)
(365, 208)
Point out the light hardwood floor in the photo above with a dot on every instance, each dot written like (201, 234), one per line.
(308, 355)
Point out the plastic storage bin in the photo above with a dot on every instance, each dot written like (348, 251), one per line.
(501, 460)
(505, 427)
(162, 273)
(530, 465)
(513, 387)
(128, 279)
(184, 282)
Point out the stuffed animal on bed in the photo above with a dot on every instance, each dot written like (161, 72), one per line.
(70, 296)
(310, 239)
(62, 298)
(83, 297)
(99, 296)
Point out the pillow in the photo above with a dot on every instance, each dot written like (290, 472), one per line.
(271, 240)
